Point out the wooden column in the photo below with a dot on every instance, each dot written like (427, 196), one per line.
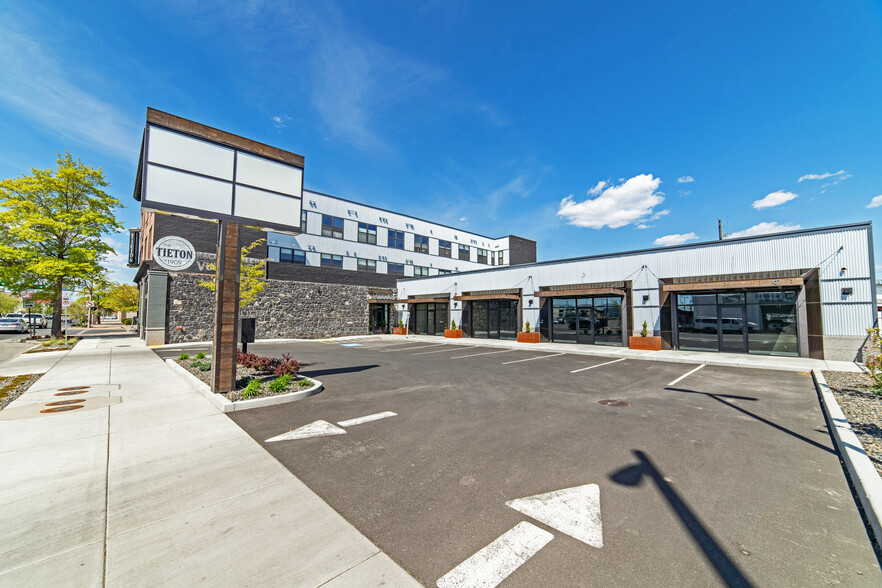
(226, 309)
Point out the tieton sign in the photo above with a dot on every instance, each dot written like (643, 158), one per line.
(174, 253)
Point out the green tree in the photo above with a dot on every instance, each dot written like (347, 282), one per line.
(251, 276)
(121, 297)
(8, 303)
(51, 227)
(94, 288)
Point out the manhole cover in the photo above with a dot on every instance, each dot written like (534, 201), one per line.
(62, 408)
(613, 403)
(72, 388)
(71, 392)
(65, 402)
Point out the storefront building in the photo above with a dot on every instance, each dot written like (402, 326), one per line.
(805, 293)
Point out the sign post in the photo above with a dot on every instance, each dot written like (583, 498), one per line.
(226, 310)
(28, 303)
(65, 302)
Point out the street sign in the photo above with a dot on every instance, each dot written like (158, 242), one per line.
(65, 299)
(28, 303)
(90, 304)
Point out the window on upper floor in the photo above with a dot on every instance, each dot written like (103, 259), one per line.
(329, 260)
(367, 265)
(500, 258)
(420, 271)
(443, 272)
(332, 226)
(444, 248)
(420, 243)
(295, 256)
(464, 252)
(396, 239)
(367, 233)
(395, 269)
(482, 255)
(302, 221)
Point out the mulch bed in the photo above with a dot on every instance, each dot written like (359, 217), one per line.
(862, 408)
(243, 374)
(11, 387)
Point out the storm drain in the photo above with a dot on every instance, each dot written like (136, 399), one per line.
(613, 403)
(62, 408)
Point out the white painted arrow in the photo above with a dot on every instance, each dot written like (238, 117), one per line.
(367, 419)
(574, 511)
(316, 429)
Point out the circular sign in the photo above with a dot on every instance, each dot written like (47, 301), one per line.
(174, 253)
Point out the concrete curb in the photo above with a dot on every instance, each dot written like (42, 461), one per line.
(225, 405)
(866, 479)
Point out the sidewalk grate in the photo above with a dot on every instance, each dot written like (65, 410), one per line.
(621, 403)
(73, 388)
(62, 408)
(65, 402)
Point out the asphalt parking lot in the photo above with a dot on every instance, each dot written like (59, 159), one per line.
(726, 476)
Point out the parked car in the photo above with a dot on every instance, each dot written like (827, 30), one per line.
(13, 325)
(13, 315)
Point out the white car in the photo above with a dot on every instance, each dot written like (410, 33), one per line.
(13, 325)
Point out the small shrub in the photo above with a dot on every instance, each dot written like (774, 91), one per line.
(645, 330)
(48, 343)
(264, 364)
(453, 324)
(246, 359)
(400, 324)
(184, 356)
(527, 327)
(873, 358)
(281, 383)
(286, 366)
(200, 355)
(252, 389)
(304, 383)
(202, 366)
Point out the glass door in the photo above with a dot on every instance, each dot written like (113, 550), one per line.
(733, 329)
(586, 322)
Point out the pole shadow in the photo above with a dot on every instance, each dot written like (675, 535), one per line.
(722, 399)
(725, 568)
(342, 370)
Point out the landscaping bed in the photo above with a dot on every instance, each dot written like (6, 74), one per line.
(54, 345)
(11, 387)
(863, 409)
(256, 377)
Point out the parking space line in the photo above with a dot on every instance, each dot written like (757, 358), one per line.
(495, 562)
(532, 358)
(591, 367)
(488, 353)
(689, 373)
(412, 348)
(450, 348)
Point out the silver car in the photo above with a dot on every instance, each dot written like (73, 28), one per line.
(13, 325)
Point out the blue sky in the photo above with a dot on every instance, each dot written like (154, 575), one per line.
(591, 127)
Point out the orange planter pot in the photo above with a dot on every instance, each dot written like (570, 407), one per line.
(645, 343)
(399, 330)
(453, 333)
(528, 337)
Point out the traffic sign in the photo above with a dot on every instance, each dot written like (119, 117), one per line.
(90, 303)
(28, 303)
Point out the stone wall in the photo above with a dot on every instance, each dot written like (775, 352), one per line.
(284, 310)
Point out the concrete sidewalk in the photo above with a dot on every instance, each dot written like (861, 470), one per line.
(149, 485)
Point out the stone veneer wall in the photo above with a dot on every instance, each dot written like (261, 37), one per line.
(295, 310)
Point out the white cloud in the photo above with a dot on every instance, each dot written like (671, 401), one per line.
(774, 199)
(463, 219)
(834, 182)
(281, 121)
(822, 176)
(660, 214)
(675, 239)
(629, 202)
(685, 179)
(877, 201)
(45, 89)
(763, 229)
(642, 226)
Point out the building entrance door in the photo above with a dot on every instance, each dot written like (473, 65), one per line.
(378, 319)
(733, 329)
(494, 319)
(429, 318)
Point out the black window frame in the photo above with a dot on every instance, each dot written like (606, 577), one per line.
(294, 259)
(332, 230)
(364, 230)
(366, 265)
(333, 258)
(467, 250)
(304, 215)
(396, 239)
(482, 258)
(420, 243)
(390, 265)
(420, 267)
(445, 248)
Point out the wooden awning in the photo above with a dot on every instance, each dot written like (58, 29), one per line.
(382, 301)
(580, 292)
(422, 300)
(733, 285)
(487, 297)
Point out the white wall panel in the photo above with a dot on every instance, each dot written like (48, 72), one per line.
(270, 175)
(847, 320)
(180, 151)
(266, 206)
(183, 189)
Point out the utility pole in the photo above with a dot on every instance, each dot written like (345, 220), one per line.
(720, 228)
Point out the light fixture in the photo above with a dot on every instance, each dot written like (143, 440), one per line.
(645, 298)
(531, 302)
(843, 270)
(846, 291)
(455, 304)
